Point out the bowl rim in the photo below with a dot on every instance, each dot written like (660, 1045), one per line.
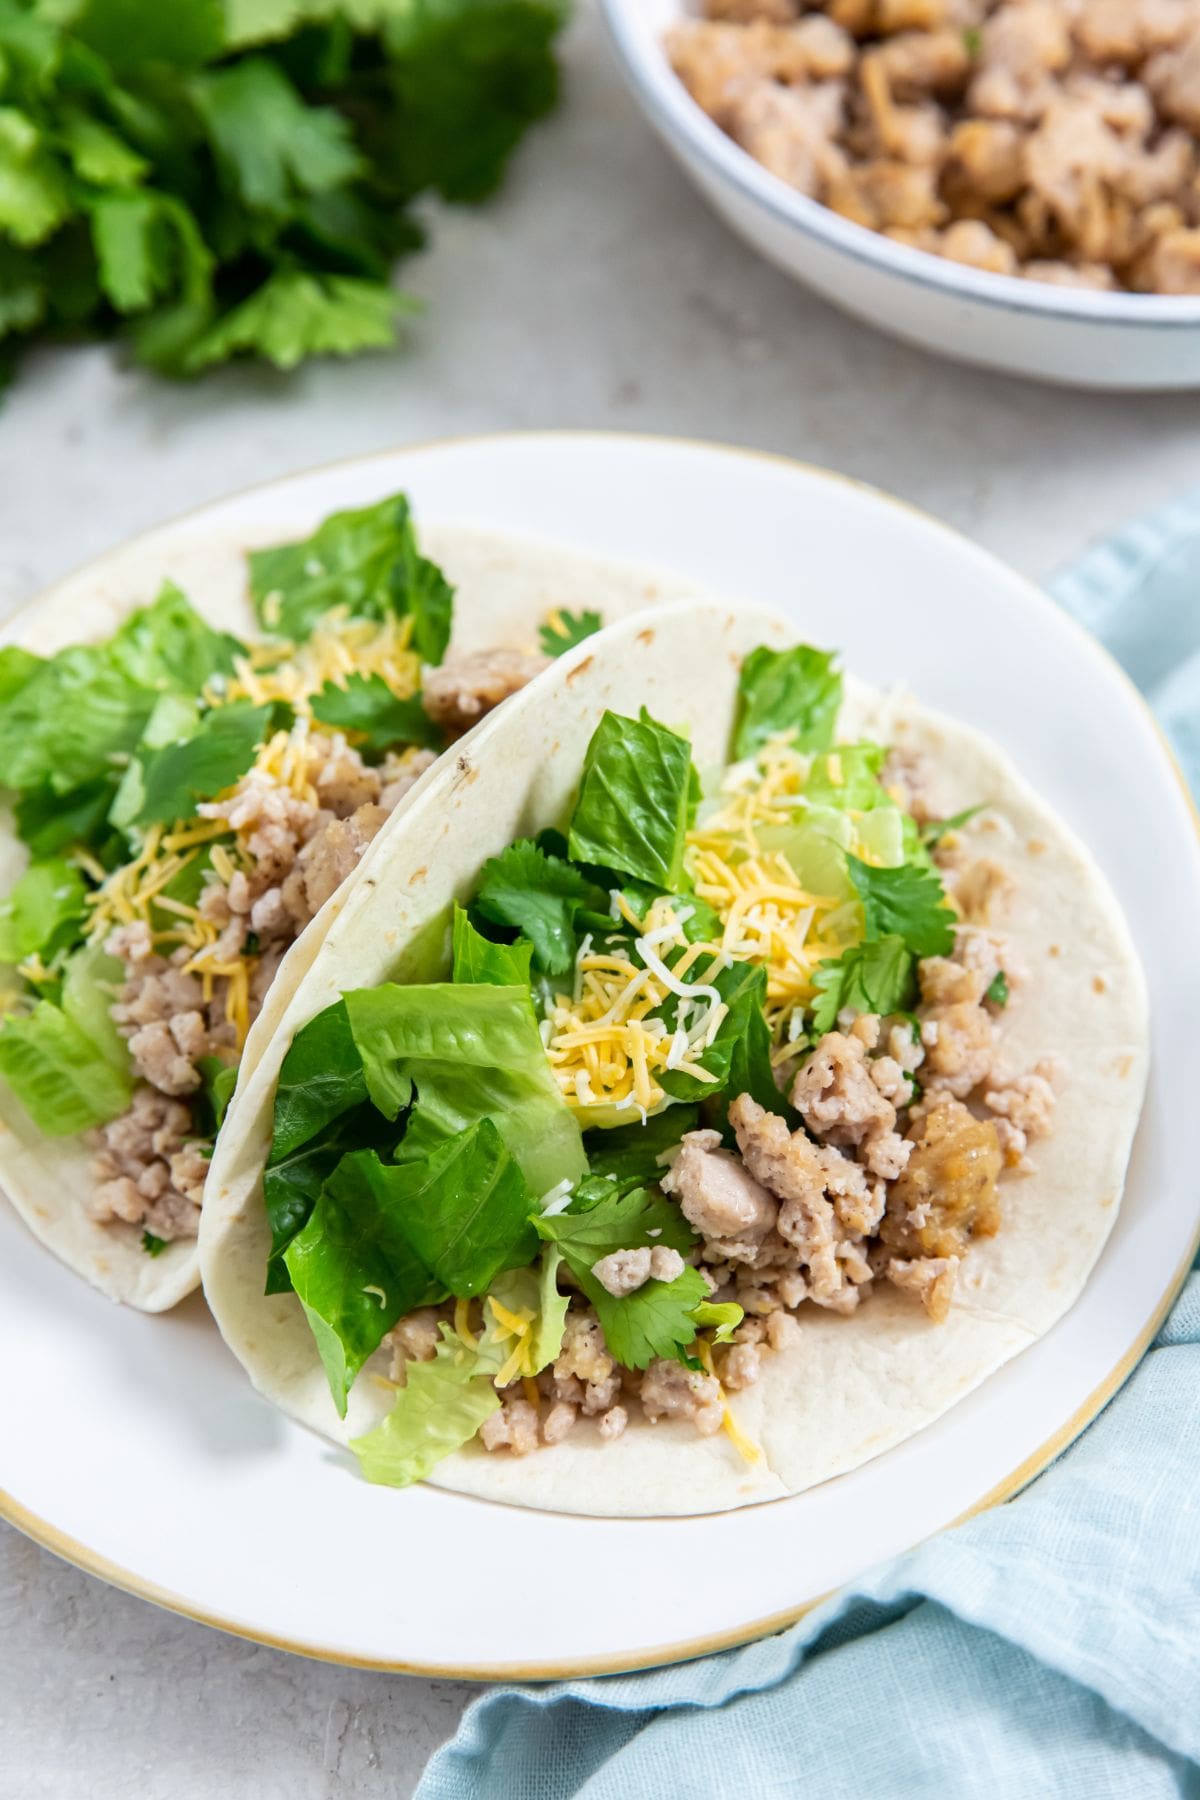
(678, 118)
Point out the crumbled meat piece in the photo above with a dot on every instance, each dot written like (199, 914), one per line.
(980, 889)
(143, 1173)
(327, 859)
(514, 1427)
(783, 1331)
(671, 1391)
(583, 1353)
(613, 1423)
(716, 1194)
(931, 1278)
(558, 1423)
(623, 1271)
(742, 1367)
(414, 1339)
(400, 773)
(838, 1099)
(1175, 263)
(599, 1395)
(464, 688)
(1026, 1105)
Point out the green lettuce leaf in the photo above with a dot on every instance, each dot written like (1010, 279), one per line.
(49, 822)
(440, 1408)
(169, 646)
(637, 797)
(540, 896)
(91, 983)
(366, 562)
(367, 705)
(722, 1317)
(321, 1078)
(471, 1052)
(293, 1181)
(62, 1080)
(43, 912)
(797, 691)
(355, 1275)
(857, 787)
(463, 1211)
(69, 718)
(477, 959)
(534, 1289)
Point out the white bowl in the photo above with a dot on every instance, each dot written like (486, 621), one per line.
(1086, 339)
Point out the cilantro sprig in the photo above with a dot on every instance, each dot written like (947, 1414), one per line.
(218, 178)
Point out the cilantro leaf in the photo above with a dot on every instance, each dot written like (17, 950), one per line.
(162, 785)
(629, 1154)
(294, 315)
(367, 705)
(997, 990)
(637, 796)
(797, 691)
(270, 145)
(615, 1221)
(657, 1319)
(937, 829)
(564, 630)
(541, 897)
(906, 902)
(873, 977)
(153, 1246)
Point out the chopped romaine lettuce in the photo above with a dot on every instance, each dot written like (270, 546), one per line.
(62, 1080)
(472, 1052)
(629, 1154)
(43, 911)
(365, 562)
(440, 1408)
(91, 982)
(478, 959)
(848, 778)
(533, 1290)
(321, 1078)
(637, 797)
(723, 1315)
(168, 646)
(797, 691)
(49, 822)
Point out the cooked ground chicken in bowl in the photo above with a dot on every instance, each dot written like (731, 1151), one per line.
(1051, 139)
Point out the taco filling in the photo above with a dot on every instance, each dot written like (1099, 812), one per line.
(712, 1056)
(188, 802)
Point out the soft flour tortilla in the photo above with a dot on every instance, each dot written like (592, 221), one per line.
(505, 588)
(851, 1387)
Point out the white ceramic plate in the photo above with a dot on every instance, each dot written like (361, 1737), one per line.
(136, 1447)
(998, 321)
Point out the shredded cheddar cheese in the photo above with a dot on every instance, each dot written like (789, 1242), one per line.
(339, 648)
(745, 1446)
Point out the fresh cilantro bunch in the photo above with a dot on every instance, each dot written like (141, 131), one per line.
(213, 178)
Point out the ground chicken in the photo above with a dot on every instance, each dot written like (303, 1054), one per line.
(144, 1174)
(464, 688)
(716, 1194)
(839, 1099)
(1050, 139)
(671, 1391)
(513, 1427)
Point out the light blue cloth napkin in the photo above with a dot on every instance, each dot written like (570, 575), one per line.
(1050, 1647)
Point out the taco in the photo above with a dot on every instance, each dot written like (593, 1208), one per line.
(186, 786)
(724, 1069)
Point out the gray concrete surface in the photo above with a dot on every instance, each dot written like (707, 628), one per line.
(598, 292)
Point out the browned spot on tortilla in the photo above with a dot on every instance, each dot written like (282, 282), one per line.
(579, 669)
(418, 875)
(647, 636)
(1055, 950)
(1099, 985)
(1036, 847)
(1123, 1065)
(1109, 1200)
(988, 823)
